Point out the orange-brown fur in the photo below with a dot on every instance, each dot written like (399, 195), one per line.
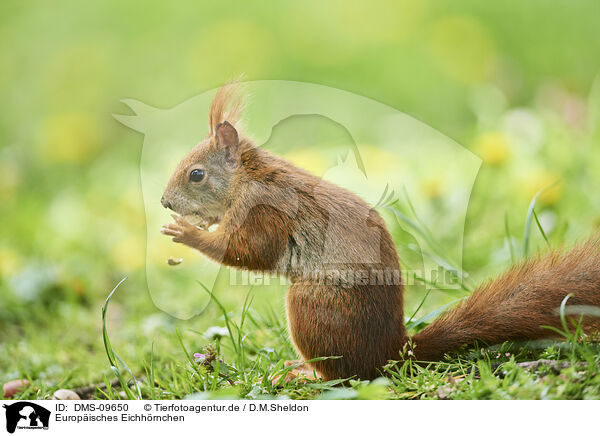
(516, 305)
(274, 216)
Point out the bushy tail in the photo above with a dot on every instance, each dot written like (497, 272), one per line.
(515, 306)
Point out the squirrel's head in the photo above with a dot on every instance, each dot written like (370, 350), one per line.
(200, 189)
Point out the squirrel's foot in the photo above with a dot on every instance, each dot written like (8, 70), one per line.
(182, 231)
(301, 374)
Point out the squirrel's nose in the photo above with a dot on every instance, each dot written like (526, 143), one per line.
(165, 203)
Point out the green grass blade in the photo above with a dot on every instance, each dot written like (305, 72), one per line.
(113, 357)
(540, 228)
(107, 346)
(419, 307)
(228, 322)
(509, 238)
(434, 314)
(530, 215)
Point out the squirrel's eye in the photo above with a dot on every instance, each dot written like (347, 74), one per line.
(196, 175)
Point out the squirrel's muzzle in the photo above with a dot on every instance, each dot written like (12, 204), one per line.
(166, 204)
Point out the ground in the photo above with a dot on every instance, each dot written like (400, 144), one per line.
(515, 84)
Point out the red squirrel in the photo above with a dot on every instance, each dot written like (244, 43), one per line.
(273, 216)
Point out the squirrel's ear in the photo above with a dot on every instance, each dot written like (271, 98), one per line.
(227, 139)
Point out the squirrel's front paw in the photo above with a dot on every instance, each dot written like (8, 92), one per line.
(182, 231)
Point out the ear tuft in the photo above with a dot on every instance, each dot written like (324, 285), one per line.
(227, 104)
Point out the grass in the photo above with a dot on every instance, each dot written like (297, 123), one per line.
(249, 373)
(566, 370)
(242, 355)
(236, 366)
(73, 214)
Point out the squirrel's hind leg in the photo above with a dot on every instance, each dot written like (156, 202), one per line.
(302, 373)
(357, 330)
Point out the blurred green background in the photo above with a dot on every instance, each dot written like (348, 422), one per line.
(511, 81)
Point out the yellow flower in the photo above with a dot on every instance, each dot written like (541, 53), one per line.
(493, 148)
(308, 159)
(380, 162)
(10, 262)
(71, 137)
(432, 187)
(128, 254)
(544, 181)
